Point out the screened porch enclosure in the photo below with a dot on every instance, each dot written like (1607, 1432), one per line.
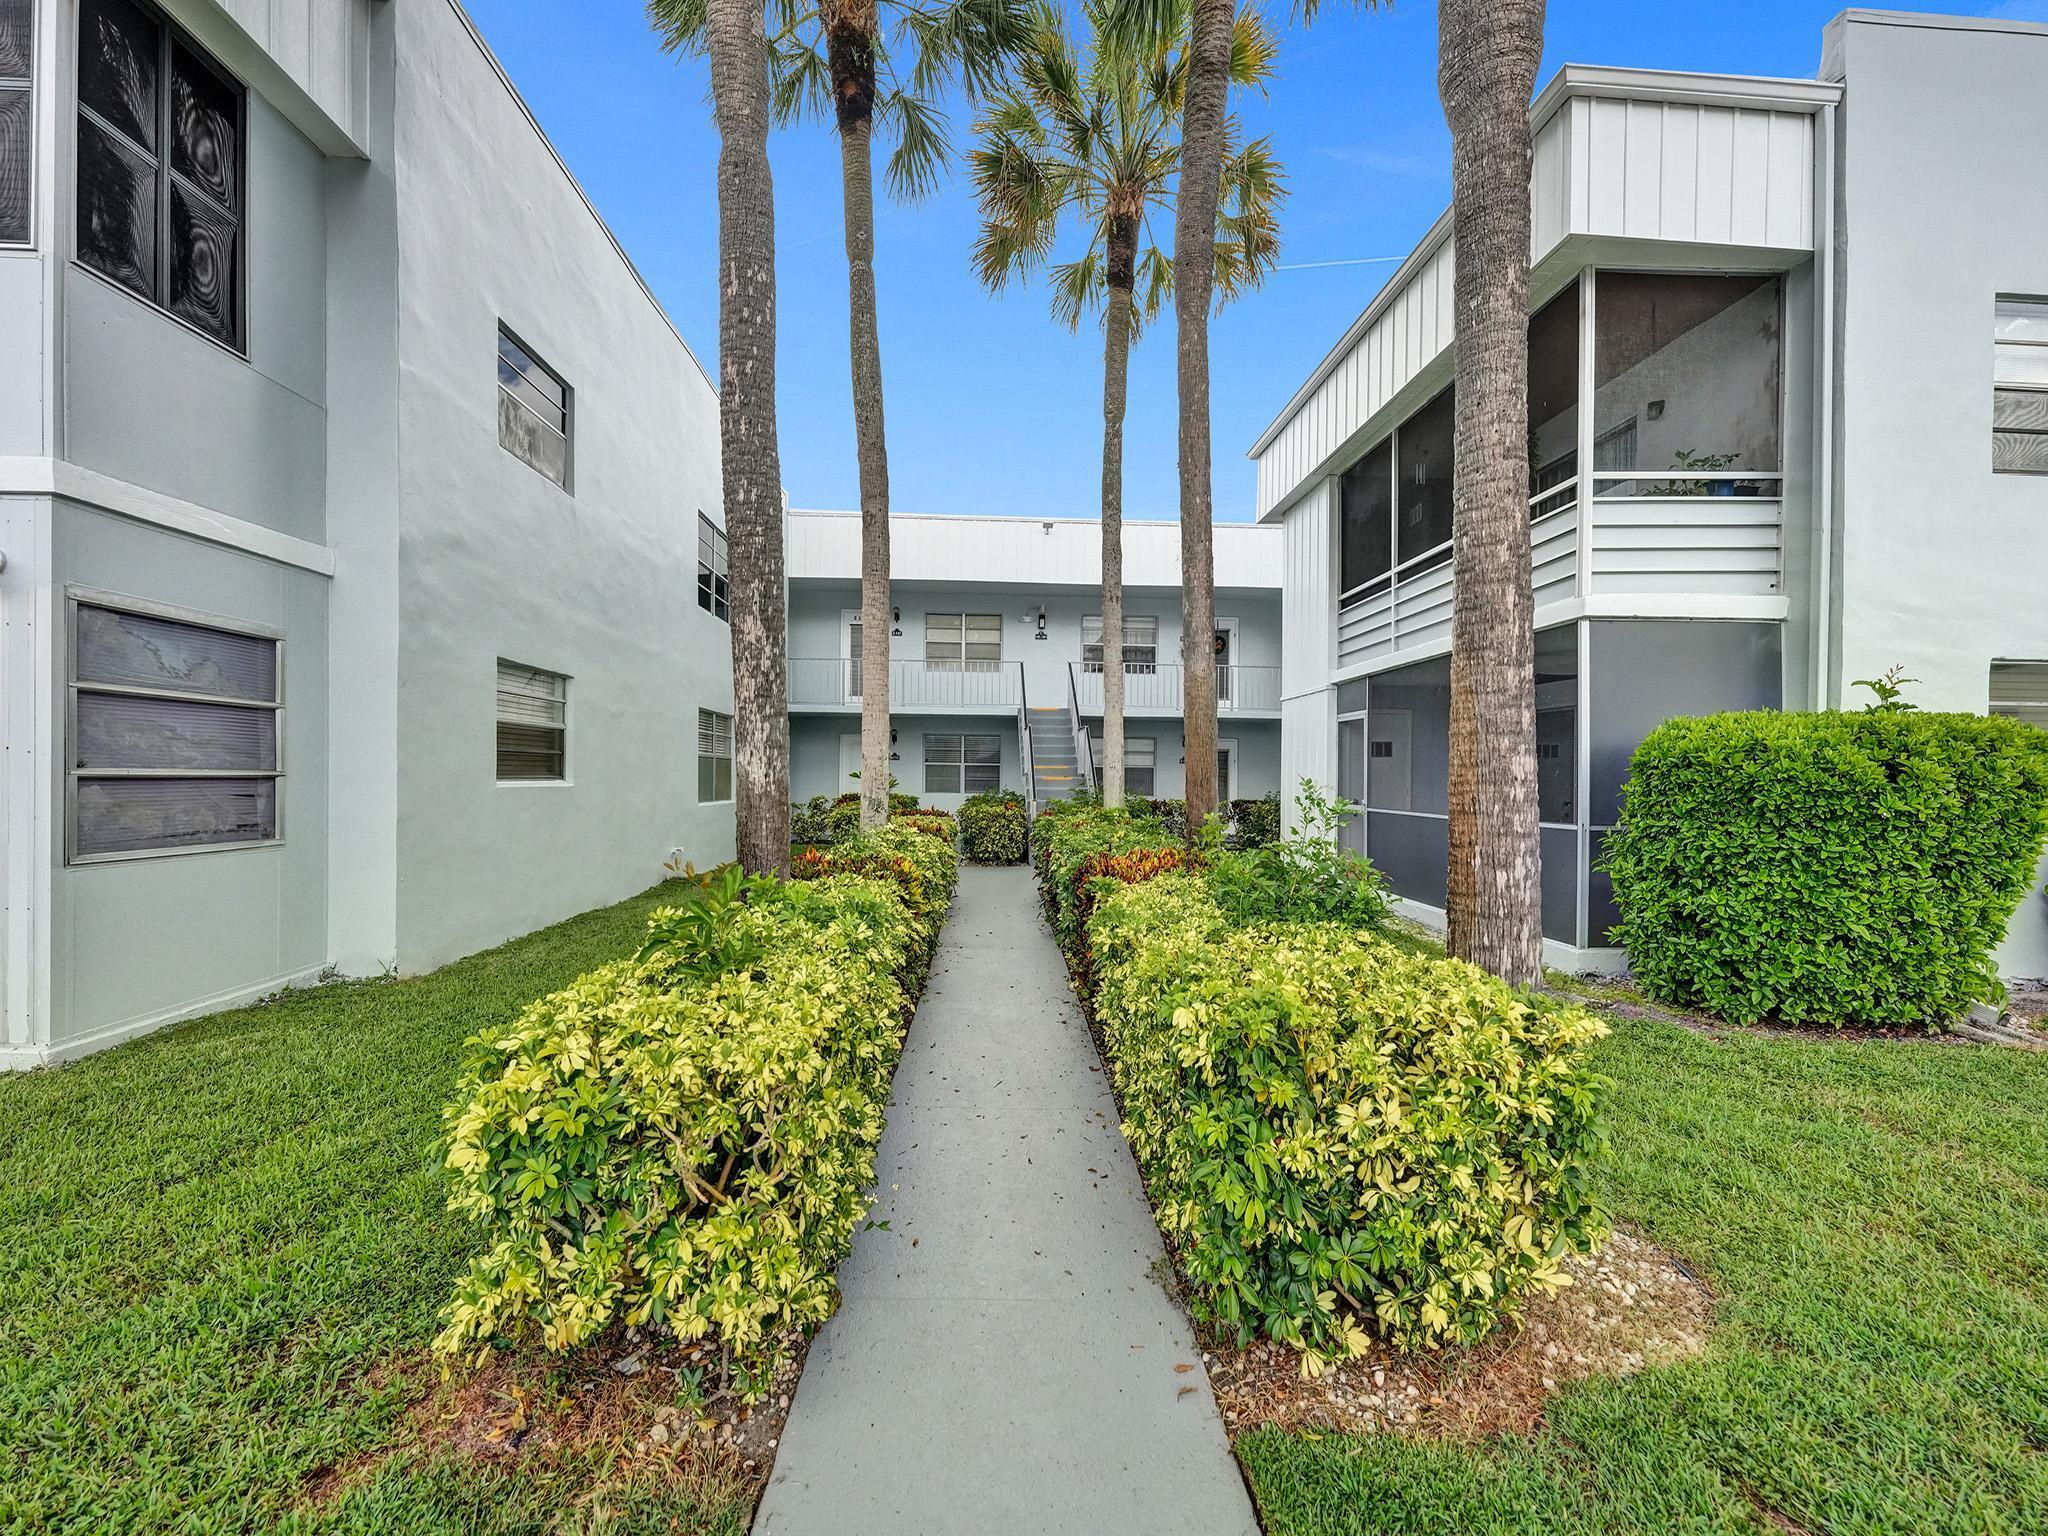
(1601, 686)
(1656, 461)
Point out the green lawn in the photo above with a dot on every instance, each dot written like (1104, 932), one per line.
(211, 1239)
(1873, 1218)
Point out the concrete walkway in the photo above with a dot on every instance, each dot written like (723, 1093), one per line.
(1004, 1360)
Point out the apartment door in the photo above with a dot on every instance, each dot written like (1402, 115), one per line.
(1226, 770)
(849, 764)
(1226, 661)
(1389, 751)
(849, 653)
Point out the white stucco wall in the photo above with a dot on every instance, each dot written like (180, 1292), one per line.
(496, 560)
(1939, 562)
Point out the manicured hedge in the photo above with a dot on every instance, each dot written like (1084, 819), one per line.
(994, 827)
(1071, 844)
(687, 1138)
(1340, 1137)
(1247, 823)
(1827, 868)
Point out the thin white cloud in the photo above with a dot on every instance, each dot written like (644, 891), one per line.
(1388, 162)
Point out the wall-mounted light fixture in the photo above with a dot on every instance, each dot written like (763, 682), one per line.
(1041, 623)
(896, 617)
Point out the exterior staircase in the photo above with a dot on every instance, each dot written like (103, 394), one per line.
(1055, 759)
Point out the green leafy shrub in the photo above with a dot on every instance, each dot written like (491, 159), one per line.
(1255, 823)
(1341, 1137)
(1306, 878)
(1827, 868)
(843, 820)
(994, 827)
(924, 868)
(931, 821)
(1062, 846)
(811, 822)
(686, 1138)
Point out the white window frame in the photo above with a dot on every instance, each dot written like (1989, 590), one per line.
(1091, 644)
(1148, 748)
(89, 597)
(961, 763)
(26, 83)
(2034, 390)
(498, 719)
(566, 430)
(714, 570)
(716, 727)
(992, 623)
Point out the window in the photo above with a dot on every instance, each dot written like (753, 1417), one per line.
(533, 411)
(2020, 689)
(1141, 643)
(17, 141)
(1423, 449)
(1141, 759)
(2019, 396)
(714, 757)
(174, 733)
(1554, 404)
(962, 765)
(968, 641)
(1366, 502)
(1687, 372)
(533, 724)
(160, 149)
(711, 588)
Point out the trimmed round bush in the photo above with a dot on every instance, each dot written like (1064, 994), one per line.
(1343, 1138)
(1827, 868)
(994, 827)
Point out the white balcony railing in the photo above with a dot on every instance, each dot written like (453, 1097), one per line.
(1156, 689)
(1640, 547)
(834, 682)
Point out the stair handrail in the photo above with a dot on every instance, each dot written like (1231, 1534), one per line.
(1084, 752)
(1026, 751)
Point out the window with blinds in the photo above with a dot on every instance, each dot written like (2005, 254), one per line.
(714, 757)
(533, 410)
(1141, 766)
(711, 575)
(1141, 643)
(957, 764)
(160, 165)
(2020, 689)
(970, 641)
(173, 731)
(533, 724)
(17, 119)
(2019, 393)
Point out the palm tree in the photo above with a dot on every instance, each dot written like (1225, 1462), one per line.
(1488, 53)
(734, 34)
(1102, 142)
(844, 54)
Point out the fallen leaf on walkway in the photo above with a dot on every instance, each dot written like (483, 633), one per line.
(1183, 1392)
(1183, 1368)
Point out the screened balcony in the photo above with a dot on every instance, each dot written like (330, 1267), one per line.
(1669, 487)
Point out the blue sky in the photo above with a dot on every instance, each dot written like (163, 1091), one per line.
(992, 408)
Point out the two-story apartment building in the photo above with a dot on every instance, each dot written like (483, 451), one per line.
(362, 589)
(1788, 427)
(995, 641)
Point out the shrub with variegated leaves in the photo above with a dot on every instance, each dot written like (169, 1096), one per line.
(1343, 1138)
(687, 1138)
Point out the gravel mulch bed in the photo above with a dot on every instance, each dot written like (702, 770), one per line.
(1630, 1305)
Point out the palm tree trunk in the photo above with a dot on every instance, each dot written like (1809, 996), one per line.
(1489, 52)
(1194, 277)
(850, 44)
(748, 455)
(1116, 364)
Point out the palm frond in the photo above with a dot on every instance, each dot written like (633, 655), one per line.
(1078, 287)
(799, 79)
(920, 132)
